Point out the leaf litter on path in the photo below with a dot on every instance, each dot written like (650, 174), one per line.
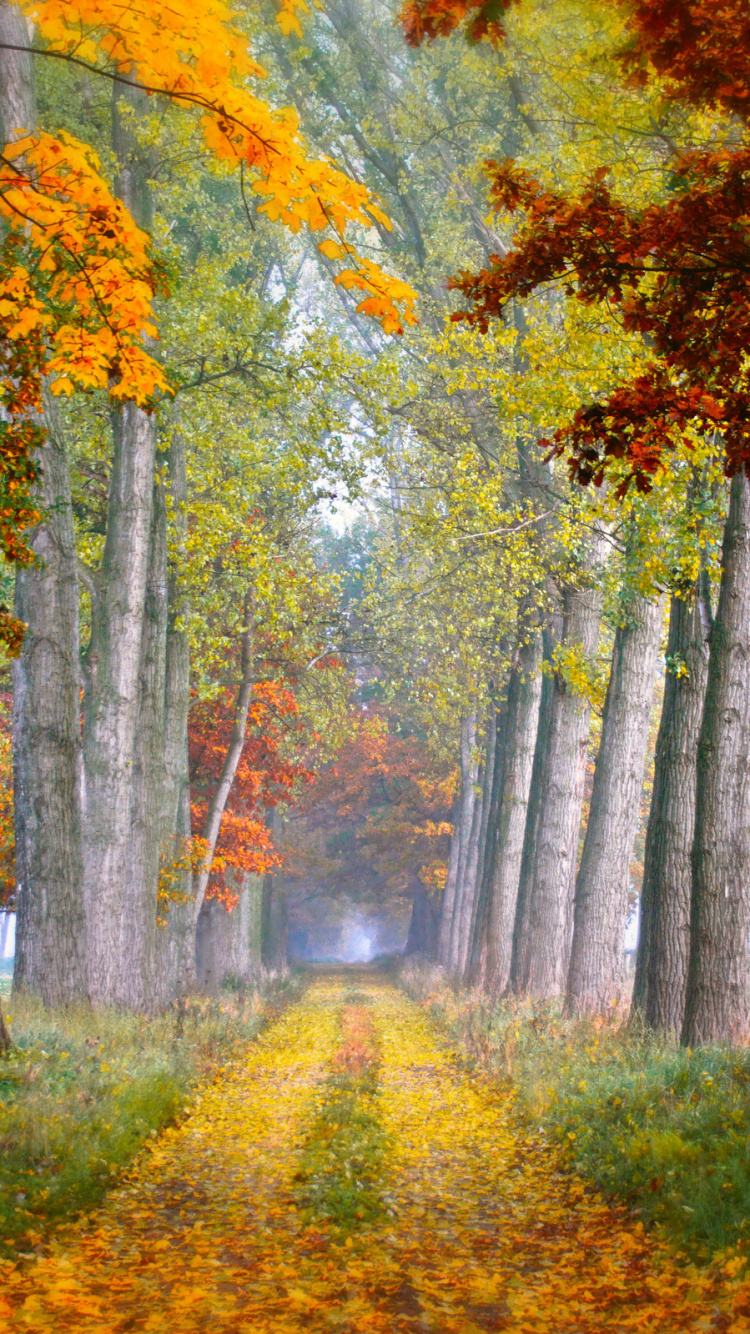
(478, 1230)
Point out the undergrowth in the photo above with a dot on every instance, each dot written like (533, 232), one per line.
(341, 1167)
(81, 1091)
(664, 1129)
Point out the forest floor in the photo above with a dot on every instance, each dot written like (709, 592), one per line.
(347, 1174)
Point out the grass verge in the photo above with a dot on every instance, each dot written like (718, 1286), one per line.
(341, 1168)
(664, 1129)
(81, 1091)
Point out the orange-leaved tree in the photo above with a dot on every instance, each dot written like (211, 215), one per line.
(76, 274)
(375, 826)
(264, 776)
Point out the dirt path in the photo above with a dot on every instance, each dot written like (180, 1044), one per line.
(476, 1229)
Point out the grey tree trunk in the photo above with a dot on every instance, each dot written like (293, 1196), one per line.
(51, 928)
(178, 947)
(121, 909)
(275, 925)
(422, 935)
(448, 897)
(521, 725)
(229, 943)
(664, 935)
(542, 937)
(598, 951)
(461, 838)
(718, 986)
(124, 696)
(218, 802)
(470, 903)
(476, 967)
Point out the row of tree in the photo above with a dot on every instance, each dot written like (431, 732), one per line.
(506, 621)
(522, 911)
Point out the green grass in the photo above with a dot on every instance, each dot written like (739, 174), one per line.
(81, 1092)
(342, 1165)
(663, 1129)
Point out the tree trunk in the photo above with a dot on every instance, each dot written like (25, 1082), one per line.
(178, 945)
(121, 909)
(228, 943)
(5, 1043)
(459, 842)
(664, 934)
(475, 867)
(422, 935)
(125, 662)
(153, 812)
(217, 804)
(542, 938)
(718, 986)
(448, 899)
(476, 967)
(51, 928)
(275, 925)
(601, 899)
(521, 724)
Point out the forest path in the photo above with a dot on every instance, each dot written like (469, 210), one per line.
(451, 1222)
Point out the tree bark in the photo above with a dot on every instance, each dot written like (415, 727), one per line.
(598, 951)
(476, 862)
(459, 842)
(521, 725)
(5, 1043)
(275, 925)
(121, 911)
(664, 933)
(217, 804)
(718, 986)
(228, 943)
(51, 928)
(124, 686)
(542, 938)
(178, 945)
(422, 935)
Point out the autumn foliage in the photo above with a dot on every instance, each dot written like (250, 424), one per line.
(382, 809)
(77, 276)
(264, 776)
(675, 272)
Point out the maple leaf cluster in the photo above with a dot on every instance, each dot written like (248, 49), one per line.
(196, 56)
(76, 276)
(677, 272)
(264, 777)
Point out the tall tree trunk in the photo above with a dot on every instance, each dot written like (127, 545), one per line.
(217, 804)
(664, 934)
(718, 986)
(542, 937)
(153, 815)
(229, 942)
(461, 838)
(475, 869)
(422, 935)
(448, 898)
(121, 910)
(476, 966)
(601, 898)
(178, 948)
(125, 674)
(51, 928)
(521, 725)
